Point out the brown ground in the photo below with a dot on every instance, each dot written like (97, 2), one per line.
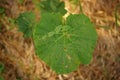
(20, 60)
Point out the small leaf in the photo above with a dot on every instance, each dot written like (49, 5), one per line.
(52, 6)
(71, 44)
(25, 23)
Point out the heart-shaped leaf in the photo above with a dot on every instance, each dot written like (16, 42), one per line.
(63, 46)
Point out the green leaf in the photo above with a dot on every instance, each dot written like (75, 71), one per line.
(68, 45)
(52, 6)
(25, 23)
(1, 67)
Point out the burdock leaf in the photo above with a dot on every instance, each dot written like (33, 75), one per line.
(68, 45)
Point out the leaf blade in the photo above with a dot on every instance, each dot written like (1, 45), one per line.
(65, 48)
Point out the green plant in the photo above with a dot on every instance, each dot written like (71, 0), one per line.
(25, 23)
(53, 6)
(62, 43)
